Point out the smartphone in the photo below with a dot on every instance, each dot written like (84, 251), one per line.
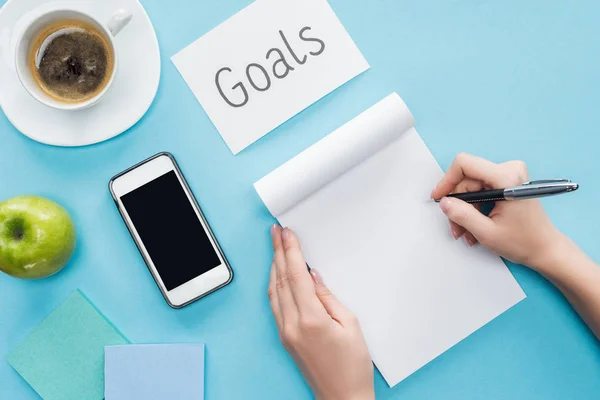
(170, 230)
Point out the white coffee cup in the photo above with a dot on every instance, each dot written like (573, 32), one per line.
(110, 30)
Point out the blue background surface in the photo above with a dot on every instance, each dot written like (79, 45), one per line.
(502, 79)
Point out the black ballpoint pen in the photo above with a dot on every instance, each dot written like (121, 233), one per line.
(528, 190)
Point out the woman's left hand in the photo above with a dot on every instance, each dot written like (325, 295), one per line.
(323, 337)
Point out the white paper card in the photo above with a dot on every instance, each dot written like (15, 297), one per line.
(266, 64)
(358, 199)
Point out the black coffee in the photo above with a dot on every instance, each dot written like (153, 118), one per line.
(72, 61)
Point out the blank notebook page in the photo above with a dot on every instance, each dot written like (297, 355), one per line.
(359, 202)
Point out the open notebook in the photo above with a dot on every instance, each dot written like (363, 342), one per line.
(358, 200)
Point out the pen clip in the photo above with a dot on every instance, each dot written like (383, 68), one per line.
(546, 181)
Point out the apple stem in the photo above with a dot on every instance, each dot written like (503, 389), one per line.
(16, 227)
(19, 234)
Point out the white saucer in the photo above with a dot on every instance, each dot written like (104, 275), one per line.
(127, 100)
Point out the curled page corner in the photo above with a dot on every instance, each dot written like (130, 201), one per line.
(335, 154)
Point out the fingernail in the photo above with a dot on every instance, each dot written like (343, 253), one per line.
(445, 205)
(316, 276)
(454, 233)
(432, 192)
(286, 234)
(274, 229)
(470, 241)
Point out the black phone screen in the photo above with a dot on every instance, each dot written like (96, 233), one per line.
(170, 230)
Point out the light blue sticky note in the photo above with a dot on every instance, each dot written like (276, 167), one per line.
(154, 372)
(63, 358)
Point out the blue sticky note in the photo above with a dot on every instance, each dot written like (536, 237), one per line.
(154, 372)
(63, 358)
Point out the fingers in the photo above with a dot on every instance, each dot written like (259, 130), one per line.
(287, 306)
(274, 299)
(468, 217)
(294, 285)
(467, 166)
(470, 239)
(468, 174)
(332, 305)
(515, 172)
(298, 277)
(456, 230)
(466, 185)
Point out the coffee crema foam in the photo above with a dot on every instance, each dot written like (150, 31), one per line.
(71, 61)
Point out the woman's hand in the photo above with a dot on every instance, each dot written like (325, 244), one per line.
(322, 336)
(517, 230)
(520, 231)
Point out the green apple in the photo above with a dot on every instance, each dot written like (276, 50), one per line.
(37, 237)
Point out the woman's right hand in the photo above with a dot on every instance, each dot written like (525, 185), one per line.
(517, 230)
